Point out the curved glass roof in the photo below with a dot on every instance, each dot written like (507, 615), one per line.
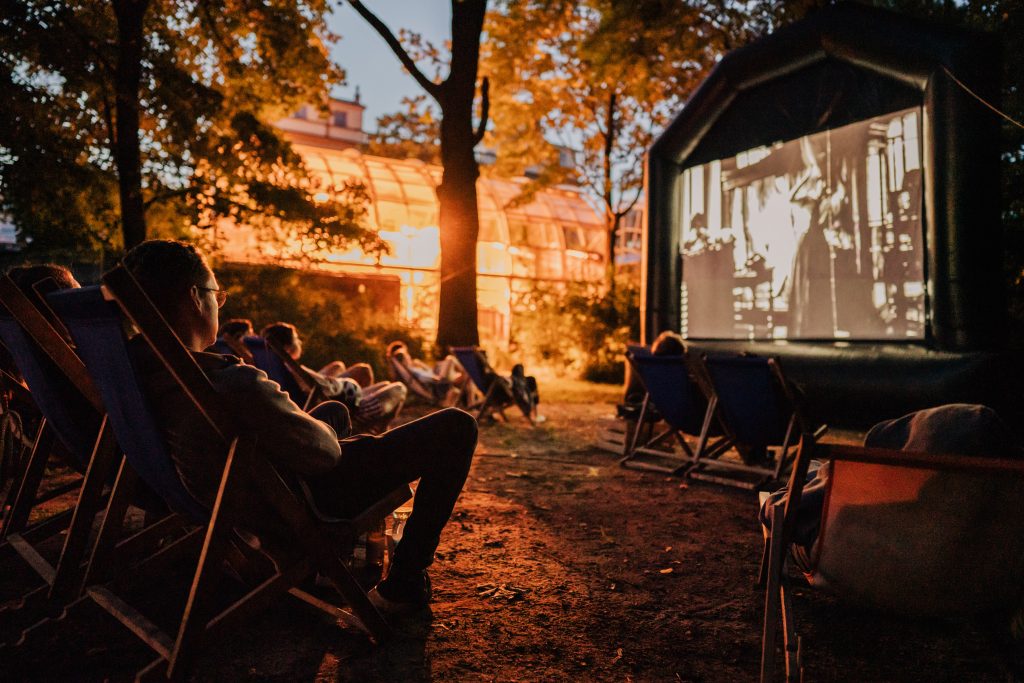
(555, 236)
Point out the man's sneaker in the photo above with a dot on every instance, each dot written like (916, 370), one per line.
(402, 594)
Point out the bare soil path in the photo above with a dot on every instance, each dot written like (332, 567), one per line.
(559, 565)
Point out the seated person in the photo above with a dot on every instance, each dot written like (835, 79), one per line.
(373, 406)
(668, 343)
(954, 429)
(440, 384)
(232, 334)
(344, 477)
(27, 277)
(518, 387)
(81, 416)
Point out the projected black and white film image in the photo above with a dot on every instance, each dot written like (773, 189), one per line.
(814, 238)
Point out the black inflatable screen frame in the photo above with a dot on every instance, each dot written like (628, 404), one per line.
(846, 63)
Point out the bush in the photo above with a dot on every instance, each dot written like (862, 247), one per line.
(333, 325)
(578, 328)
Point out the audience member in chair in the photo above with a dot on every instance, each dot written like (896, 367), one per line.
(27, 277)
(441, 384)
(373, 406)
(233, 333)
(343, 476)
(954, 429)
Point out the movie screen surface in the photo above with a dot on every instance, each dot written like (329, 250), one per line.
(815, 238)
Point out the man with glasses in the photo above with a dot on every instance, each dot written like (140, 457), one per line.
(344, 476)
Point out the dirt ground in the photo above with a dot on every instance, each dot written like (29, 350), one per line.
(560, 565)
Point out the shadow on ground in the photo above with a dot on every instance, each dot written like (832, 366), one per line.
(559, 565)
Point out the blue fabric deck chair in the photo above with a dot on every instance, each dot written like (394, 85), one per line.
(223, 534)
(759, 413)
(682, 406)
(73, 417)
(286, 371)
(72, 425)
(497, 396)
(907, 534)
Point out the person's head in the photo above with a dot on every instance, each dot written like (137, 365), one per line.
(285, 336)
(26, 277)
(397, 349)
(668, 343)
(235, 329)
(182, 286)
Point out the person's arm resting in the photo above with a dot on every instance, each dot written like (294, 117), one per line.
(290, 437)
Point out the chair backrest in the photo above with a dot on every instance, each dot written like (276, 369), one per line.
(667, 379)
(751, 398)
(97, 327)
(68, 400)
(939, 540)
(271, 362)
(469, 358)
(223, 348)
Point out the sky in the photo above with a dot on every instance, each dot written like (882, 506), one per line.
(369, 62)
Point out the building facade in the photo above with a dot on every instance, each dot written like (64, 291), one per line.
(557, 237)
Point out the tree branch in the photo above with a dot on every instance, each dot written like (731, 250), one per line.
(433, 89)
(485, 111)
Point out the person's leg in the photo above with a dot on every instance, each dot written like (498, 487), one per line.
(361, 373)
(436, 449)
(333, 369)
(380, 404)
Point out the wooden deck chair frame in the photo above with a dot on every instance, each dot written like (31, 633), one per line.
(62, 582)
(705, 467)
(660, 460)
(247, 477)
(778, 610)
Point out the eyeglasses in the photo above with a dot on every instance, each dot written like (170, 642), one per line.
(221, 294)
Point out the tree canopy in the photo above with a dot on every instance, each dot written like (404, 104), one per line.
(600, 78)
(121, 113)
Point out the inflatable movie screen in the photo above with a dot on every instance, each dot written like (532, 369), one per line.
(815, 238)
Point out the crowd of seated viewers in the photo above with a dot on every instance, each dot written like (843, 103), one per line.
(372, 405)
(342, 471)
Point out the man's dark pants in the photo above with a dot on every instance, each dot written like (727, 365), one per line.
(436, 449)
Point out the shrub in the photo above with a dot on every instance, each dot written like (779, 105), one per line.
(577, 328)
(334, 325)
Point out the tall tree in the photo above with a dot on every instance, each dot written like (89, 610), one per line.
(455, 96)
(120, 112)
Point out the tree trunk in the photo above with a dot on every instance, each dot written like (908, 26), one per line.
(460, 225)
(130, 16)
(611, 215)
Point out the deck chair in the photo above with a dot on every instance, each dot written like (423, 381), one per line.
(494, 399)
(682, 406)
(434, 394)
(911, 534)
(758, 412)
(286, 371)
(221, 535)
(72, 423)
